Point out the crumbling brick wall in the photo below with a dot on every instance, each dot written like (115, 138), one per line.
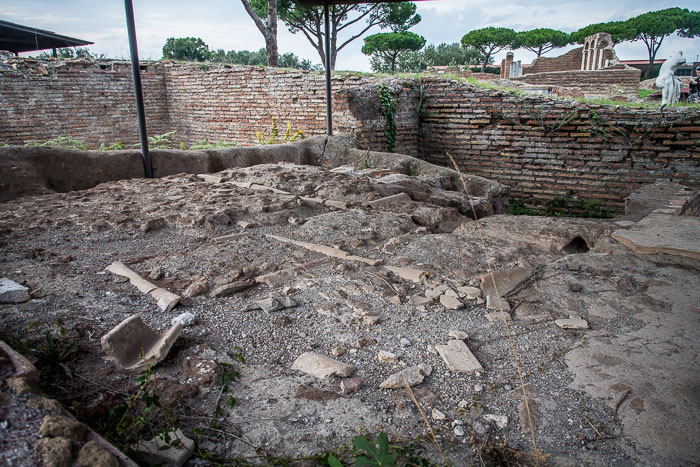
(618, 81)
(540, 147)
(571, 60)
(544, 148)
(94, 103)
(232, 103)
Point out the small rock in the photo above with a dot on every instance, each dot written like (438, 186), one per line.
(20, 386)
(437, 415)
(185, 319)
(492, 303)
(272, 304)
(478, 387)
(94, 455)
(501, 421)
(230, 289)
(418, 300)
(200, 370)
(53, 426)
(498, 316)
(470, 293)
(458, 431)
(49, 405)
(199, 286)
(535, 415)
(473, 414)
(321, 367)
(451, 303)
(395, 299)
(12, 292)
(156, 274)
(351, 385)
(412, 376)
(572, 323)
(337, 351)
(479, 428)
(404, 342)
(458, 357)
(434, 293)
(54, 452)
(99, 225)
(451, 293)
(575, 287)
(387, 357)
(172, 451)
(370, 319)
(458, 334)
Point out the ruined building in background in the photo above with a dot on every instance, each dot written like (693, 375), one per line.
(591, 71)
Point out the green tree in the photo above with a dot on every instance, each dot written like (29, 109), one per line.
(619, 31)
(268, 27)
(191, 49)
(310, 21)
(653, 27)
(541, 40)
(388, 46)
(431, 55)
(489, 41)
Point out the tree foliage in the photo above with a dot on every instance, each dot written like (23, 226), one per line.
(618, 30)
(489, 41)
(390, 45)
(541, 40)
(654, 26)
(192, 49)
(259, 58)
(431, 55)
(310, 21)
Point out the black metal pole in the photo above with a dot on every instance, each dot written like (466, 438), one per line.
(136, 71)
(329, 102)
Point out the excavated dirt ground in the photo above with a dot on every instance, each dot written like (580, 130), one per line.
(623, 392)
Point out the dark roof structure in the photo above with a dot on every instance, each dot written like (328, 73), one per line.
(17, 38)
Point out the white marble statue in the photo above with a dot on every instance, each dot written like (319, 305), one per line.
(668, 82)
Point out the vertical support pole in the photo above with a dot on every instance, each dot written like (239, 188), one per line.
(329, 102)
(136, 71)
(54, 54)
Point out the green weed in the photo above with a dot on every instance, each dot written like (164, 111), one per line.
(388, 106)
(159, 141)
(118, 146)
(206, 144)
(274, 137)
(67, 142)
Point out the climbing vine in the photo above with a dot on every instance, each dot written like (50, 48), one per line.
(388, 105)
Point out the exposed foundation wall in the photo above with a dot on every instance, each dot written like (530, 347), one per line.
(541, 148)
(81, 100)
(598, 83)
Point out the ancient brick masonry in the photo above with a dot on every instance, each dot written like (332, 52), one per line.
(82, 100)
(540, 147)
(544, 148)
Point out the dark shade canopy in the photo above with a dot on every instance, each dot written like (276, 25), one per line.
(17, 38)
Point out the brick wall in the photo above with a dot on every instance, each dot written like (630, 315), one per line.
(80, 99)
(571, 60)
(540, 147)
(544, 148)
(599, 83)
(232, 103)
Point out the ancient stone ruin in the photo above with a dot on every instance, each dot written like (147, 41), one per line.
(592, 71)
(270, 304)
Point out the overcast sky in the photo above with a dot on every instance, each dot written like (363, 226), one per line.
(224, 24)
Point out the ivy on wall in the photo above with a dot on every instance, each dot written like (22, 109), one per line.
(388, 105)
